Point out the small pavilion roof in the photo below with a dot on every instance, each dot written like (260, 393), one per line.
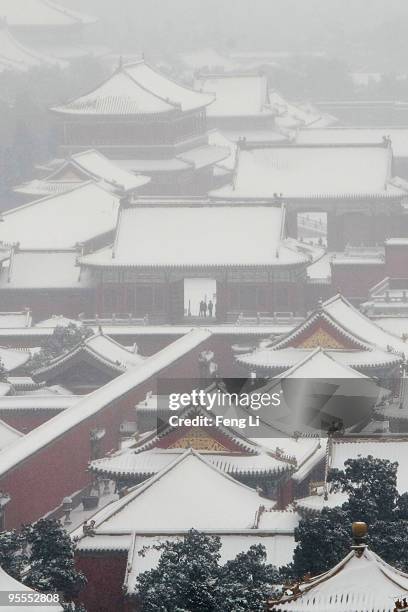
(361, 581)
(41, 13)
(137, 89)
(198, 495)
(83, 167)
(178, 236)
(99, 348)
(9, 584)
(236, 95)
(265, 171)
(87, 211)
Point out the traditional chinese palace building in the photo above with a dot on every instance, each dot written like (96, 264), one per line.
(242, 108)
(344, 333)
(89, 365)
(48, 26)
(107, 552)
(224, 447)
(362, 208)
(153, 125)
(159, 245)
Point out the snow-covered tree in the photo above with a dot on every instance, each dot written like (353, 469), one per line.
(51, 559)
(3, 372)
(189, 578)
(371, 487)
(246, 581)
(12, 558)
(63, 339)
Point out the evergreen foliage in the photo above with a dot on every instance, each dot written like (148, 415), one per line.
(189, 577)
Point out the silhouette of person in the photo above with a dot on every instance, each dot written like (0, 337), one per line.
(210, 308)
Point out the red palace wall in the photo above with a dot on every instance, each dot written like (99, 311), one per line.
(26, 420)
(355, 281)
(43, 304)
(105, 573)
(396, 261)
(39, 484)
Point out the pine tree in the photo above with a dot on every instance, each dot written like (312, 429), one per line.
(63, 339)
(51, 559)
(371, 488)
(3, 372)
(12, 558)
(246, 581)
(189, 578)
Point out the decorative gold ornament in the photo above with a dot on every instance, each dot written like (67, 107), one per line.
(321, 338)
(199, 440)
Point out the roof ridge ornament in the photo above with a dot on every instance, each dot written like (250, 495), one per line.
(359, 530)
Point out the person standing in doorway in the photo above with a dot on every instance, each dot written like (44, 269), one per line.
(210, 308)
(204, 308)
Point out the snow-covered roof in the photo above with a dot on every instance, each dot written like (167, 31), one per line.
(137, 89)
(31, 269)
(130, 463)
(350, 323)
(192, 159)
(15, 320)
(10, 585)
(357, 135)
(236, 95)
(179, 236)
(12, 359)
(316, 503)
(217, 138)
(207, 58)
(361, 581)
(16, 56)
(286, 358)
(38, 401)
(82, 167)
(293, 116)
(100, 348)
(319, 364)
(331, 171)
(93, 403)
(365, 343)
(8, 435)
(77, 216)
(196, 493)
(58, 321)
(361, 326)
(43, 13)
